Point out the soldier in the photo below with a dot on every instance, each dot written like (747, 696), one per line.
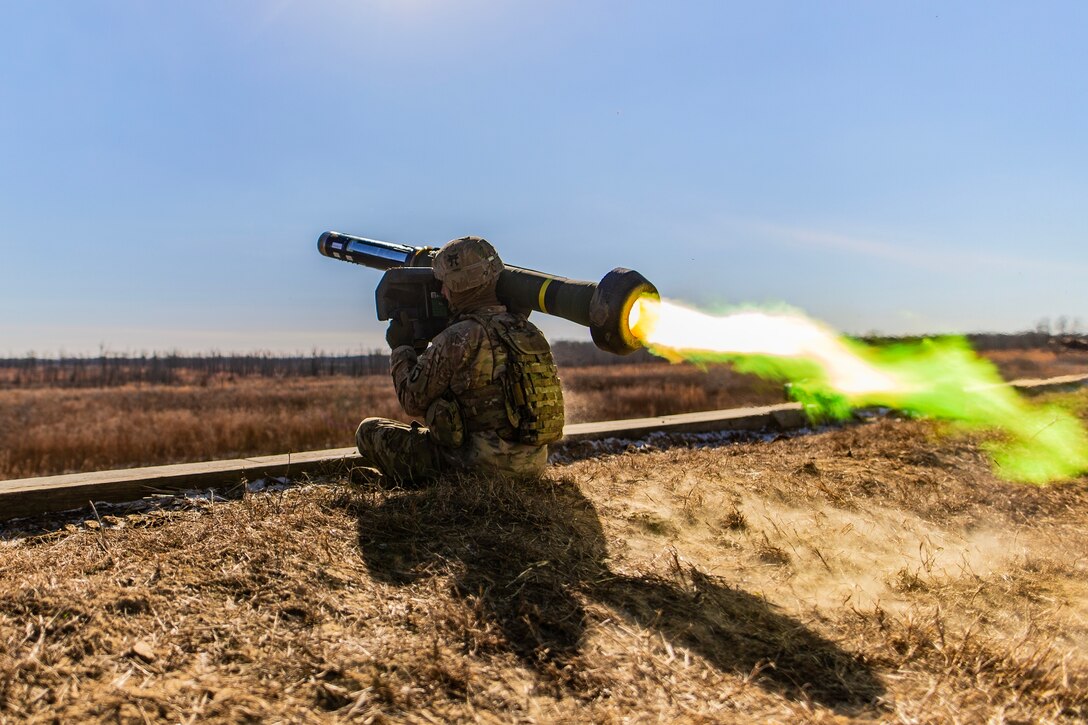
(486, 386)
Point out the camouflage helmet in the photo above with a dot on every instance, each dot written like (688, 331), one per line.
(467, 263)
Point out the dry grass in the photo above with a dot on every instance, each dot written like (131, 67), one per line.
(874, 572)
(50, 431)
(1038, 363)
(615, 392)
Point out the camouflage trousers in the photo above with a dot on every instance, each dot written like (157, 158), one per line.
(404, 453)
(409, 453)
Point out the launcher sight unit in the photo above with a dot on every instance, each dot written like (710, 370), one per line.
(409, 292)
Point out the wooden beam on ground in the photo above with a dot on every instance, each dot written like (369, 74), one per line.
(33, 496)
(779, 417)
(1032, 386)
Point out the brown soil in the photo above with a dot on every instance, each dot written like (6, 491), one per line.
(872, 572)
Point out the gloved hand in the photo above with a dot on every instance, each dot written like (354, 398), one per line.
(399, 334)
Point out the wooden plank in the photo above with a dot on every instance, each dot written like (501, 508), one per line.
(1050, 385)
(302, 462)
(30, 496)
(782, 416)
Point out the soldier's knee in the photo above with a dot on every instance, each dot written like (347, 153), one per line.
(366, 433)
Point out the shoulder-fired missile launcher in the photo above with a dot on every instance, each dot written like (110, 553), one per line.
(409, 292)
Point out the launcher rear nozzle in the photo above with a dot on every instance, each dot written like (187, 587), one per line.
(610, 310)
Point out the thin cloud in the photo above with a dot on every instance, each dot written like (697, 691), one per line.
(928, 257)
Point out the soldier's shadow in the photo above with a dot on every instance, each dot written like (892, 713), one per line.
(528, 554)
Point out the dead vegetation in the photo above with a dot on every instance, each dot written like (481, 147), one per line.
(872, 572)
(46, 431)
(1039, 362)
(615, 392)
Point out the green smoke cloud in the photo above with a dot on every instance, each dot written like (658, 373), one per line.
(940, 378)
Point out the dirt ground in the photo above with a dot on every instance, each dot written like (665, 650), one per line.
(872, 572)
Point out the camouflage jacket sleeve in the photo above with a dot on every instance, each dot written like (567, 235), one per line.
(419, 380)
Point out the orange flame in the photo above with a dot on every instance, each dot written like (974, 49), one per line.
(665, 324)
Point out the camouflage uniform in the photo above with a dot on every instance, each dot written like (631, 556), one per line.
(461, 360)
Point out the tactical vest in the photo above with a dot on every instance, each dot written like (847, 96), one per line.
(523, 402)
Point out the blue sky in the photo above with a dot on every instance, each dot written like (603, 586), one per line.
(896, 167)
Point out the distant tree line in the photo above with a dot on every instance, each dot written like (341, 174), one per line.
(110, 369)
(568, 353)
(984, 341)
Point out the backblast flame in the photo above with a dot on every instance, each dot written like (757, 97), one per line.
(830, 374)
(664, 324)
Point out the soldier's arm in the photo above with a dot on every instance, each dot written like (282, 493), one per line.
(419, 379)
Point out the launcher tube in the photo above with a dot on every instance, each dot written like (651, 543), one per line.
(527, 289)
(603, 307)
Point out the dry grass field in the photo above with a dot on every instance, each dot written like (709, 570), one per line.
(45, 431)
(873, 572)
(1039, 362)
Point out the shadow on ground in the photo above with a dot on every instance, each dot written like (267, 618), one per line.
(528, 554)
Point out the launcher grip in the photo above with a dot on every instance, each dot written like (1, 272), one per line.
(413, 297)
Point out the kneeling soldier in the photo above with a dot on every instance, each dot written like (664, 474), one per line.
(487, 386)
